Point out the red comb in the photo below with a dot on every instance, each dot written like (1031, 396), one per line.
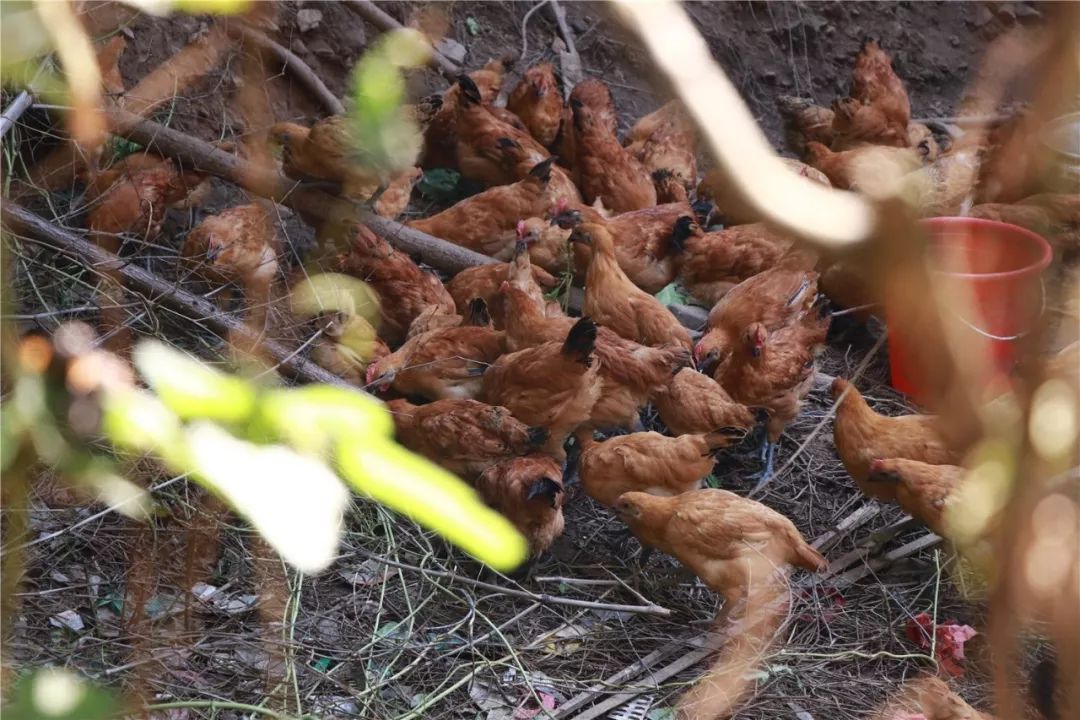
(520, 229)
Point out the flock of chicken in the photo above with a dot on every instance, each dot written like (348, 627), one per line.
(506, 378)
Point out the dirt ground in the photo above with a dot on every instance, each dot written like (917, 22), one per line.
(373, 640)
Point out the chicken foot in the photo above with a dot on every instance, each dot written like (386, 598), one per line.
(768, 459)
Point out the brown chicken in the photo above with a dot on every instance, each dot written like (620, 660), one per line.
(742, 550)
(347, 346)
(878, 109)
(645, 243)
(927, 698)
(446, 362)
(649, 462)
(665, 142)
(529, 492)
(485, 281)
(325, 151)
(804, 122)
(921, 489)
(869, 168)
(862, 436)
(133, 196)
(440, 136)
(716, 189)
(483, 138)
(238, 246)
(775, 371)
(595, 96)
(612, 300)
(537, 100)
(711, 264)
(715, 533)
(403, 288)
(694, 403)
(464, 436)
(773, 297)
(629, 373)
(603, 169)
(845, 284)
(553, 385)
(548, 244)
(1040, 216)
(487, 222)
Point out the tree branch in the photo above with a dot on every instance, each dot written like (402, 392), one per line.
(37, 229)
(291, 62)
(381, 20)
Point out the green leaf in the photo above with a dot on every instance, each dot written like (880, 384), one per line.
(136, 420)
(472, 25)
(193, 389)
(322, 664)
(294, 501)
(440, 184)
(672, 294)
(314, 417)
(335, 292)
(432, 497)
(661, 713)
(56, 694)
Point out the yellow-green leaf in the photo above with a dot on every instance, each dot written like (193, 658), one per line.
(432, 497)
(135, 420)
(294, 501)
(191, 388)
(335, 292)
(314, 417)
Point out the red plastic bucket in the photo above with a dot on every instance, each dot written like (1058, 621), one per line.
(1001, 265)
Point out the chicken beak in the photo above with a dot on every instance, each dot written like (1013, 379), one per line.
(212, 253)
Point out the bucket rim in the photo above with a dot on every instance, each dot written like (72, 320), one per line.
(1035, 268)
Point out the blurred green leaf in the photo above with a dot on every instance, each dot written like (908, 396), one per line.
(56, 694)
(136, 420)
(472, 25)
(432, 497)
(335, 292)
(322, 664)
(191, 388)
(195, 7)
(314, 417)
(294, 501)
(387, 137)
(672, 294)
(23, 37)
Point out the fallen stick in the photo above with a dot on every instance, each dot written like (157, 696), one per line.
(383, 21)
(314, 203)
(628, 672)
(291, 62)
(857, 519)
(570, 67)
(158, 291)
(925, 542)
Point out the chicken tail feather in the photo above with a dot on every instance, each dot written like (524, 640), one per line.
(580, 341)
(546, 488)
(537, 435)
(684, 228)
(542, 169)
(469, 90)
(478, 313)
